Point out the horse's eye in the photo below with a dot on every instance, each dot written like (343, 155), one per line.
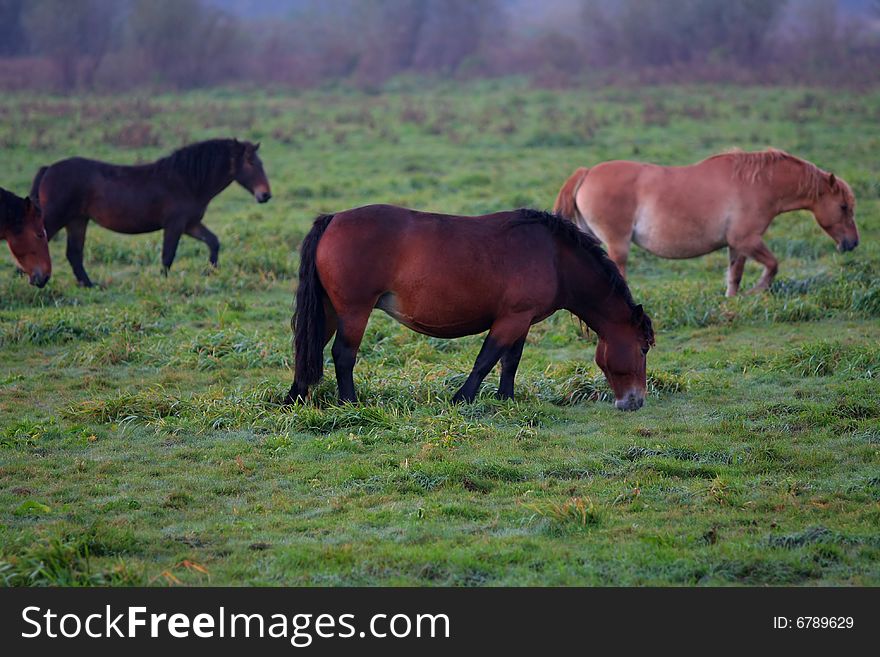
(845, 207)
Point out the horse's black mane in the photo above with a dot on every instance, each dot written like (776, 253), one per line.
(203, 165)
(569, 232)
(11, 211)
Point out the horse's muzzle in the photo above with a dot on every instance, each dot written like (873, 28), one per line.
(847, 245)
(39, 279)
(632, 402)
(262, 197)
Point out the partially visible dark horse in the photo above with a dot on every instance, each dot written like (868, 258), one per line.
(22, 227)
(170, 194)
(449, 276)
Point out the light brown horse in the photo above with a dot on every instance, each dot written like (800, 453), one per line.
(22, 227)
(726, 200)
(450, 276)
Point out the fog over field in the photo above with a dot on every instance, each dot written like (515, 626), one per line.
(107, 45)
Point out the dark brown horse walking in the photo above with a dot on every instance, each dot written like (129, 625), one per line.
(22, 227)
(449, 276)
(170, 194)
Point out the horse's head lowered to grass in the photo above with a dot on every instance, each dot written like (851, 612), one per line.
(622, 355)
(835, 211)
(21, 225)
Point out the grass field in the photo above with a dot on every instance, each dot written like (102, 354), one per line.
(141, 438)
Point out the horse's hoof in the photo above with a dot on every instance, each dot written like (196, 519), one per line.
(296, 395)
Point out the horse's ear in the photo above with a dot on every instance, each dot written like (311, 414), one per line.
(238, 148)
(256, 147)
(638, 314)
(832, 180)
(27, 203)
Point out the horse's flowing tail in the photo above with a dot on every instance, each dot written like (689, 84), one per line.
(308, 322)
(566, 203)
(35, 187)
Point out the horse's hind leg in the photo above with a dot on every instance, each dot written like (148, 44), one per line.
(349, 333)
(76, 239)
(331, 320)
(298, 391)
(202, 234)
(737, 262)
(509, 363)
(503, 337)
(619, 254)
(613, 226)
(617, 243)
(758, 251)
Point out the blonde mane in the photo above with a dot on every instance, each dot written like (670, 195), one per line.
(753, 167)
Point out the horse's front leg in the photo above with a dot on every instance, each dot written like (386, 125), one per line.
(509, 365)
(170, 240)
(503, 338)
(76, 239)
(200, 232)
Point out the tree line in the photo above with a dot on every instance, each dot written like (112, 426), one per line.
(118, 44)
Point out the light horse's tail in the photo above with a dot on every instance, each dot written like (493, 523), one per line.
(35, 186)
(308, 322)
(566, 200)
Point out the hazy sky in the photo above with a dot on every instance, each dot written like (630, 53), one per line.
(528, 9)
(524, 16)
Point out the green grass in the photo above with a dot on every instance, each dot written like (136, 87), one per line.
(141, 437)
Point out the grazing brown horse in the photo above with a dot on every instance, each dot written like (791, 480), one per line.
(726, 200)
(22, 227)
(170, 194)
(449, 276)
